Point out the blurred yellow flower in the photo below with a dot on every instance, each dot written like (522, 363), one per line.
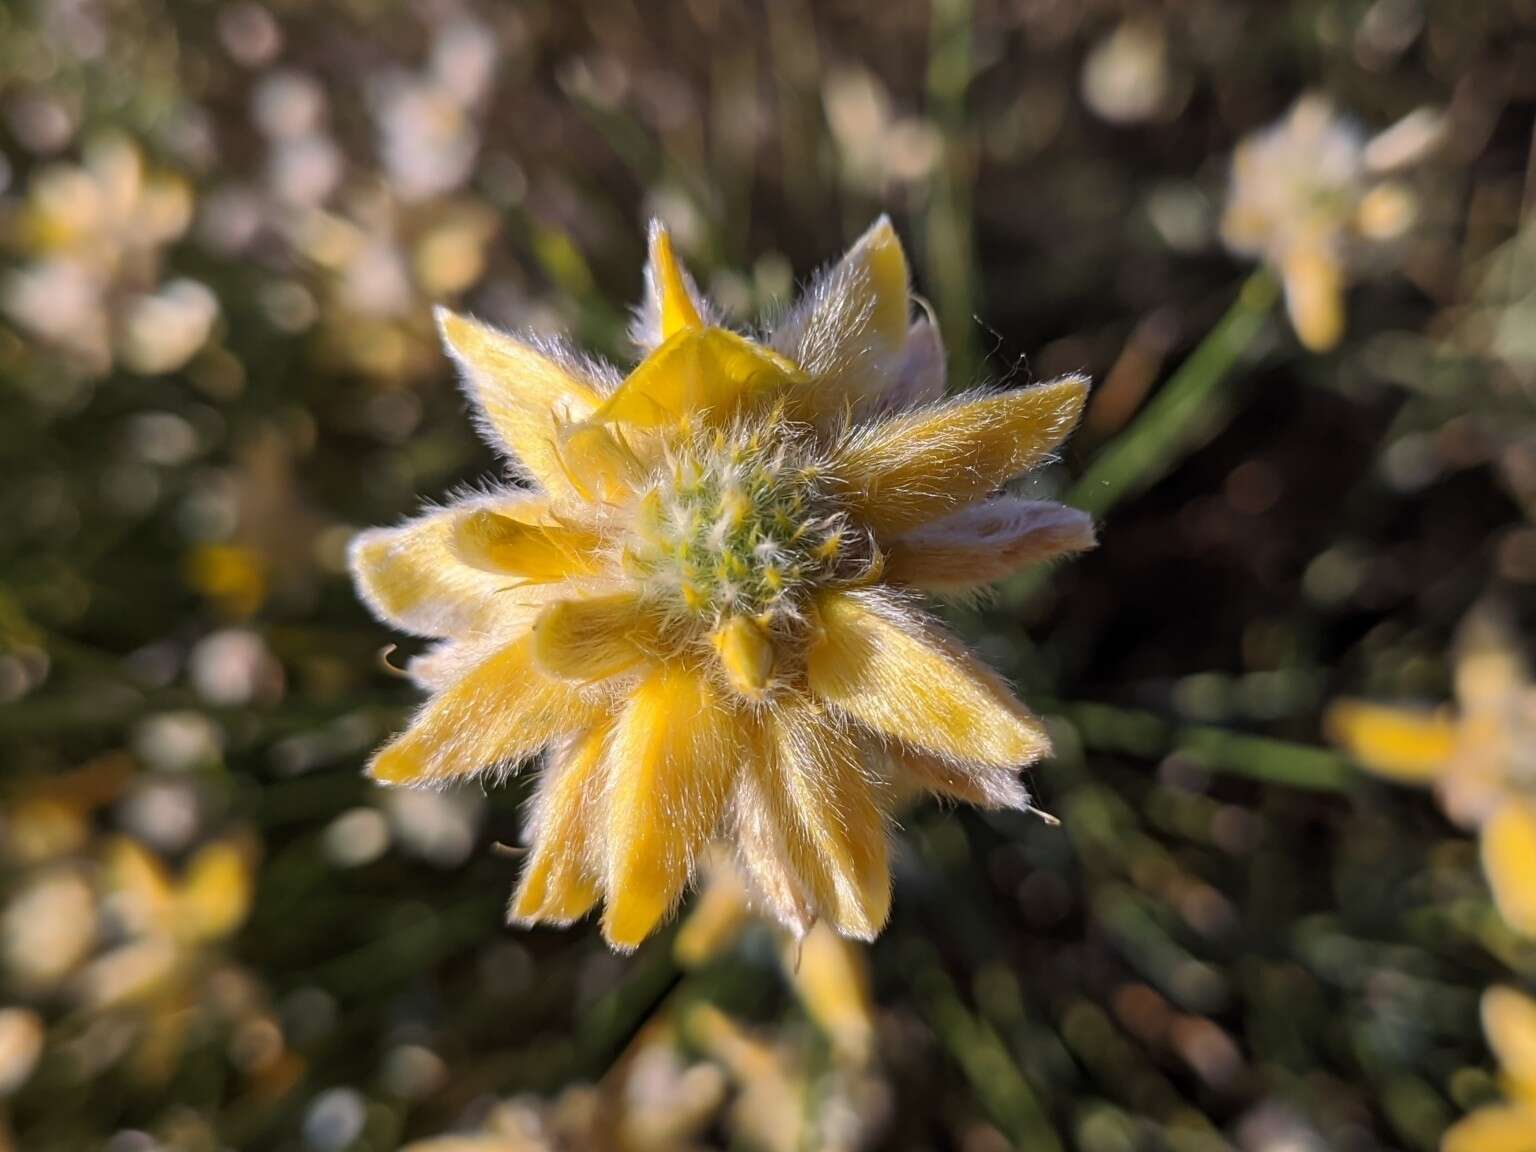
(1509, 1022)
(1307, 194)
(827, 973)
(1481, 758)
(703, 605)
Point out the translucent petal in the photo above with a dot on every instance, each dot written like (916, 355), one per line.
(706, 373)
(500, 712)
(986, 542)
(1398, 743)
(880, 668)
(921, 374)
(822, 805)
(671, 300)
(524, 394)
(560, 881)
(412, 578)
(592, 639)
(672, 763)
(980, 785)
(1509, 861)
(912, 468)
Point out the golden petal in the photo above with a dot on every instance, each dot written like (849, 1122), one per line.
(560, 881)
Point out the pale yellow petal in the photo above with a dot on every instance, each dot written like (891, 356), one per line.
(539, 550)
(1509, 1022)
(831, 978)
(672, 764)
(1509, 861)
(986, 542)
(1314, 294)
(1497, 1129)
(762, 850)
(560, 882)
(593, 639)
(1398, 743)
(525, 394)
(699, 373)
(822, 804)
(498, 713)
(413, 579)
(878, 667)
(915, 467)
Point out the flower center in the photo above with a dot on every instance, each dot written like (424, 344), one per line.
(737, 526)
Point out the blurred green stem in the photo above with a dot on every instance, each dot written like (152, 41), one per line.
(1177, 415)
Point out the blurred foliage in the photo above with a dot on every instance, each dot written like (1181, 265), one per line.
(223, 226)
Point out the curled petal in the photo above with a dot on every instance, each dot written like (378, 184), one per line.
(912, 468)
(698, 372)
(592, 639)
(502, 710)
(1509, 860)
(560, 882)
(671, 766)
(523, 393)
(987, 542)
(874, 665)
(413, 579)
(1397, 743)
(538, 550)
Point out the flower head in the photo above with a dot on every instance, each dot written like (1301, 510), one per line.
(1481, 759)
(1309, 193)
(702, 605)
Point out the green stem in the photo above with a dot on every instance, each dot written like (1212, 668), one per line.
(1176, 416)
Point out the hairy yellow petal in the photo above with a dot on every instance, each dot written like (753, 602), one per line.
(986, 542)
(831, 979)
(923, 690)
(559, 883)
(1508, 1128)
(672, 764)
(1509, 1022)
(763, 833)
(592, 639)
(746, 654)
(676, 301)
(413, 579)
(524, 393)
(1509, 861)
(916, 466)
(981, 785)
(698, 372)
(541, 551)
(501, 711)
(1398, 743)
(1314, 294)
(599, 464)
(823, 807)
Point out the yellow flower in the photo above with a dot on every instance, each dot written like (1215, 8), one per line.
(1509, 1022)
(1308, 194)
(704, 603)
(1481, 758)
